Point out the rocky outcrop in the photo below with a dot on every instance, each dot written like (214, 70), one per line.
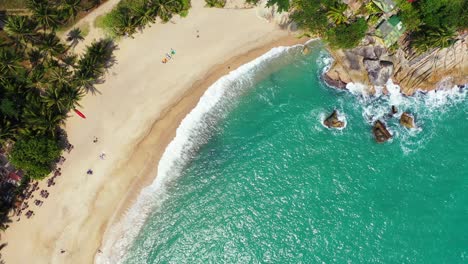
(349, 66)
(379, 71)
(380, 131)
(407, 120)
(333, 121)
(373, 65)
(334, 81)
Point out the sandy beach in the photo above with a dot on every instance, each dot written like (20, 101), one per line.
(134, 118)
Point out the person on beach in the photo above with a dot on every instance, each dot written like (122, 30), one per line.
(168, 56)
(102, 156)
(164, 60)
(172, 51)
(95, 140)
(90, 172)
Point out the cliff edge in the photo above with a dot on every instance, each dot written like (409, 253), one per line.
(374, 65)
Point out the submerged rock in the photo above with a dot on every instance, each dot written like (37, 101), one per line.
(407, 120)
(333, 122)
(380, 131)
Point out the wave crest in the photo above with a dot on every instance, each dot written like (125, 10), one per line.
(194, 130)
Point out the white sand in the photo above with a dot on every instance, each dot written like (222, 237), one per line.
(141, 104)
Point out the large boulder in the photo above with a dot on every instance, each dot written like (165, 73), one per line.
(334, 80)
(380, 131)
(333, 121)
(407, 120)
(379, 71)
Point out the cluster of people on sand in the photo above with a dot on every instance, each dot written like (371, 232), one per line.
(69, 148)
(169, 56)
(29, 194)
(29, 214)
(61, 160)
(51, 181)
(44, 194)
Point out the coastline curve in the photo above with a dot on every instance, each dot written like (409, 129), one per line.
(193, 131)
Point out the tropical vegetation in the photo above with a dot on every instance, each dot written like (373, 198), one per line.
(129, 16)
(215, 3)
(433, 23)
(41, 81)
(430, 23)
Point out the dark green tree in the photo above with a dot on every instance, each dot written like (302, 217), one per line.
(74, 37)
(35, 156)
(346, 36)
(45, 14)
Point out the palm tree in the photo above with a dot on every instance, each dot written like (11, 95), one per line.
(85, 81)
(41, 120)
(62, 98)
(441, 37)
(166, 8)
(9, 61)
(427, 38)
(88, 74)
(35, 57)
(71, 8)
(7, 130)
(69, 60)
(59, 76)
(74, 37)
(36, 76)
(145, 14)
(101, 50)
(20, 29)
(123, 23)
(72, 95)
(51, 46)
(44, 14)
(336, 14)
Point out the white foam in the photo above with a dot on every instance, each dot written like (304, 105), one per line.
(423, 104)
(324, 61)
(191, 133)
(358, 89)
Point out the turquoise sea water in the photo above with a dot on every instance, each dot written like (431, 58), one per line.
(272, 185)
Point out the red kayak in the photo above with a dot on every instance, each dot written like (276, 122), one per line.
(79, 113)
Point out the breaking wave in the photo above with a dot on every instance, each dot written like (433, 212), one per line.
(426, 107)
(195, 130)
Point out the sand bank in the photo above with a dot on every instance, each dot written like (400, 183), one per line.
(135, 116)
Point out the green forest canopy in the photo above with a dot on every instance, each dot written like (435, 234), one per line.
(432, 23)
(41, 80)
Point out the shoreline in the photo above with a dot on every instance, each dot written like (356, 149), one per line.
(163, 130)
(140, 105)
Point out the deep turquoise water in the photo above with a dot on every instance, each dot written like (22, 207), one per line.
(272, 185)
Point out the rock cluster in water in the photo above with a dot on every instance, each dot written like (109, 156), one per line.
(407, 120)
(373, 65)
(380, 131)
(394, 110)
(332, 121)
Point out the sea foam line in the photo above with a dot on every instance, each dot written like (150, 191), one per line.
(189, 136)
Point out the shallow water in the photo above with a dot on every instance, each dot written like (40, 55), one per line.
(270, 184)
